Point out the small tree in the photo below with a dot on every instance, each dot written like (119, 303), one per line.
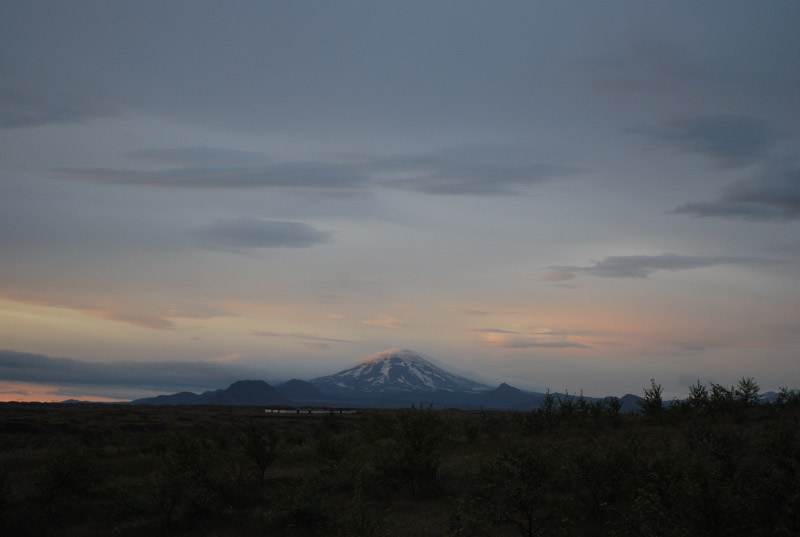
(261, 446)
(582, 406)
(566, 406)
(652, 405)
(698, 396)
(721, 397)
(613, 405)
(747, 391)
(417, 454)
(511, 491)
(787, 396)
(548, 409)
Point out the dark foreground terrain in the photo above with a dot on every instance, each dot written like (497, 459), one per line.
(731, 468)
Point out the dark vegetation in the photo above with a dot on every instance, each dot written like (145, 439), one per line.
(717, 464)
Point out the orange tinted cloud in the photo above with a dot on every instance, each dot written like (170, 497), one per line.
(385, 321)
(558, 276)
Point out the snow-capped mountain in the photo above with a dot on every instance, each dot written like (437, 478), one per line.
(396, 371)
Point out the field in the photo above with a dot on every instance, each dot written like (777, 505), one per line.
(577, 469)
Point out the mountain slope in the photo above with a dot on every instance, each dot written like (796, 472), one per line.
(396, 371)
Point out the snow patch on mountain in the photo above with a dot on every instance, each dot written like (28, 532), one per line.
(396, 371)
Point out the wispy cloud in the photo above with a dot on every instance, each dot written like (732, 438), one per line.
(31, 102)
(385, 321)
(198, 156)
(730, 140)
(143, 316)
(476, 170)
(512, 339)
(558, 277)
(240, 234)
(231, 357)
(484, 170)
(307, 175)
(641, 266)
(299, 335)
(533, 344)
(493, 331)
(771, 193)
(476, 313)
(644, 65)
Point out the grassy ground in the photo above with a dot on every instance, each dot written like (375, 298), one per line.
(88, 469)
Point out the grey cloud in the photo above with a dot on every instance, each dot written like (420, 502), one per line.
(532, 344)
(645, 64)
(480, 170)
(469, 170)
(641, 266)
(27, 367)
(298, 335)
(198, 156)
(732, 141)
(493, 331)
(32, 103)
(476, 313)
(558, 277)
(286, 175)
(695, 346)
(772, 193)
(244, 233)
(724, 209)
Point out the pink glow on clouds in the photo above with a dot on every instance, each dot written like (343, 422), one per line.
(558, 276)
(26, 392)
(232, 357)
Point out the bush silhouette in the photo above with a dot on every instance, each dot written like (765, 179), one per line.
(652, 404)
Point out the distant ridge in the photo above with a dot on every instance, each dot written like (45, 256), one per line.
(391, 378)
(504, 396)
(242, 392)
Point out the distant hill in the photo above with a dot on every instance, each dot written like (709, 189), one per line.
(300, 390)
(242, 392)
(630, 403)
(504, 396)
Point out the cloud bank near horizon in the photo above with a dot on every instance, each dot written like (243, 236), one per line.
(161, 375)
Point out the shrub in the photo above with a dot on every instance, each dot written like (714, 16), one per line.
(698, 396)
(652, 404)
(68, 475)
(261, 446)
(513, 490)
(548, 409)
(417, 454)
(722, 398)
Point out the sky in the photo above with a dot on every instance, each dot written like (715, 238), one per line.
(566, 195)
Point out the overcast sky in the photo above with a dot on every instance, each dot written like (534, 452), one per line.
(578, 195)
